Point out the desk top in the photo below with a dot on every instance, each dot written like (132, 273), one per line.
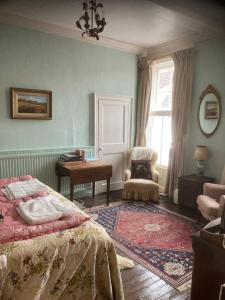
(85, 165)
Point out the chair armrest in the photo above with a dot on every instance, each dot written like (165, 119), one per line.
(155, 176)
(214, 190)
(127, 174)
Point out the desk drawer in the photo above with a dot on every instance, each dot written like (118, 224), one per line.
(88, 175)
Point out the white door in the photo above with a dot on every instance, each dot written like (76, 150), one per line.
(112, 136)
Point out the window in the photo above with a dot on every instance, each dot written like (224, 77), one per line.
(159, 125)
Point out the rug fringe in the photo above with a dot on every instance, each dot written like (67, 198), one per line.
(185, 286)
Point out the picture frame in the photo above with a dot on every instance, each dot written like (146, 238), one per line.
(31, 104)
(211, 110)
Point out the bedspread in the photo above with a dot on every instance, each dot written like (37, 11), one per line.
(78, 264)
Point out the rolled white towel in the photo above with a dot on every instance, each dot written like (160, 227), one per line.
(43, 209)
(21, 189)
(3, 262)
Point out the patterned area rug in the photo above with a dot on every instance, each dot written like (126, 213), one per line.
(156, 238)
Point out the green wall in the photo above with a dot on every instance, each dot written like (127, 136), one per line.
(73, 70)
(209, 68)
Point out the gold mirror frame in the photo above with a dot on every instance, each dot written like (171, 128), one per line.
(209, 90)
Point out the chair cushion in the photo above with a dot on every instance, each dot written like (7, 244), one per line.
(208, 206)
(141, 169)
(142, 184)
(141, 153)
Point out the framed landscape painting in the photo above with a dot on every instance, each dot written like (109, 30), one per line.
(31, 104)
(211, 110)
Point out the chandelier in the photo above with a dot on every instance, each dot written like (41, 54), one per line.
(92, 22)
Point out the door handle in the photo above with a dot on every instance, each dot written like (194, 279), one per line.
(99, 149)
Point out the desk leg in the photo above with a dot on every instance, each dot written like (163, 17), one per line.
(93, 189)
(59, 183)
(71, 191)
(108, 190)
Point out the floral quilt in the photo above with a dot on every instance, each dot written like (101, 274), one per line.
(78, 263)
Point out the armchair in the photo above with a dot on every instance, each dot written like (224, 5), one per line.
(138, 188)
(211, 203)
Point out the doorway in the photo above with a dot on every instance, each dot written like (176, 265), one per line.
(112, 136)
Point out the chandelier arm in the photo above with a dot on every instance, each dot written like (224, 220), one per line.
(97, 23)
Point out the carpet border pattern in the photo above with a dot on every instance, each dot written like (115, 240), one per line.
(186, 280)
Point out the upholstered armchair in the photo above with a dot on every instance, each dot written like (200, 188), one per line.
(211, 203)
(139, 188)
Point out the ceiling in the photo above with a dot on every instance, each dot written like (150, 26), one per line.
(139, 23)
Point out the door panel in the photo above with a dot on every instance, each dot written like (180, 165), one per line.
(117, 160)
(113, 132)
(112, 135)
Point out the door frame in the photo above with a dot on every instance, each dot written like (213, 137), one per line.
(98, 97)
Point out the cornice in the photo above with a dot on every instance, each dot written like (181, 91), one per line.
(166, 49)
(153, 52)
(8, 18)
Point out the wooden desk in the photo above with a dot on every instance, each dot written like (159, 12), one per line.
(84, 173)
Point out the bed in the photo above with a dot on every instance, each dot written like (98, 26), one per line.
(76, 263)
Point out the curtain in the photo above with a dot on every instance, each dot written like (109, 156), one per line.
(181, 97)
(143, 100)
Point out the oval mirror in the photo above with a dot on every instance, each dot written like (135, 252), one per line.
(209, 111)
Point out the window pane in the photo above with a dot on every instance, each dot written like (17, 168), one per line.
(166, 140)
(159, 137)
(159, 126)
(164, 79)
(154, 131)
(162, 87)
(163, 101)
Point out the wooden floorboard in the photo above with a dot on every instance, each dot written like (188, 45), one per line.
(138, 270)
(139, 283)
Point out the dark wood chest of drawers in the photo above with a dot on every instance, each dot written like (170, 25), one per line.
(209, 266)
(189, 187)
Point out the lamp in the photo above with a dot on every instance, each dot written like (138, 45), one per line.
(93, 12)
(201, 154)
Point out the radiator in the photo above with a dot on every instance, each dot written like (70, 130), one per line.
(40, 164)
